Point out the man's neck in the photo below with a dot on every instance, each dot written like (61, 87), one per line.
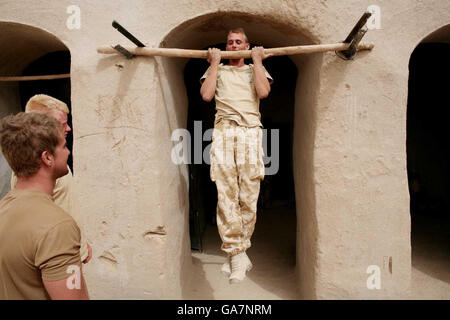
(38, 181)
(237, 62)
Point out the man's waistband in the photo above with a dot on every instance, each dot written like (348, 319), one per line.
(232, 122)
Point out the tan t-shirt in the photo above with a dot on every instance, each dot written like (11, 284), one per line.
(63, 195)
(38, 241)
(235, 96)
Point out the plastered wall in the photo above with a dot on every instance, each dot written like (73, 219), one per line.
(349, 138)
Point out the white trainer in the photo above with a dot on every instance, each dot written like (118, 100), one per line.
(240, 264)
(226, 267)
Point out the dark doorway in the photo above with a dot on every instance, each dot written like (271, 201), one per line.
(428, 160)
(52, 63)
(277, 111)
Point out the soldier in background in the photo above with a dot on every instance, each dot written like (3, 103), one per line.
(63, 193)
(39, 241)
(237, 89)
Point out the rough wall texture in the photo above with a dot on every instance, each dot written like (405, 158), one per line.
(349, 144)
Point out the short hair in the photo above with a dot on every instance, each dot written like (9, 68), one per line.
(25, 136)
(238, 30)
(44, 104)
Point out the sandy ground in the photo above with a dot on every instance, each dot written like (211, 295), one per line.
(430, 241)
(273, 275)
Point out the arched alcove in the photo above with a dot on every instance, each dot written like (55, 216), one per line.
(211, 29)
(428, 160)
(26, 50)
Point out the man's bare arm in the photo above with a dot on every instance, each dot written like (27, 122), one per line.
(59, 290)
(208, 88)
(262, 84)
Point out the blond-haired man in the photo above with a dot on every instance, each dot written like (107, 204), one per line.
(39, 241)
(63, 193)
(236, 153)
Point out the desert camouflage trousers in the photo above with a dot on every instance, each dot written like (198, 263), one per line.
(237, 168)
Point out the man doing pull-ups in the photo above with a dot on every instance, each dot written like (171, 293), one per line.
(236, 154)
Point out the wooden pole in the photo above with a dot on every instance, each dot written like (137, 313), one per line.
(31, 78)
(187, 53)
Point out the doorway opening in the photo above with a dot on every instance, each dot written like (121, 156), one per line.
(29, 51)
(290, 108)
(276, 215)
(277, 112)
(428, 161)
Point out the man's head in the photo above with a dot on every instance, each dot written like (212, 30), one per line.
(30, 141)
(50, 106)
(237, 40)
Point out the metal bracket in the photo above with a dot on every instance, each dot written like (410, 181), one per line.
(354, 38)
(124, 51)
(124, 31)
(127, 34)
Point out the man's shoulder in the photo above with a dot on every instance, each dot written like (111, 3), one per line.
(29, 216)
(51, 213)
(48, 218)
(34, 206)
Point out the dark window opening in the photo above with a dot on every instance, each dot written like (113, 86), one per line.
(428, 158)
(52, 63)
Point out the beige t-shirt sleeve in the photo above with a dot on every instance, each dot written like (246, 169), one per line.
(65, 196)
(205, 75)
(268, 76)
(58, 249)
(62, 193)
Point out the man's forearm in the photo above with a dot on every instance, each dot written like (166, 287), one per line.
(262, 85)
(208, 88)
